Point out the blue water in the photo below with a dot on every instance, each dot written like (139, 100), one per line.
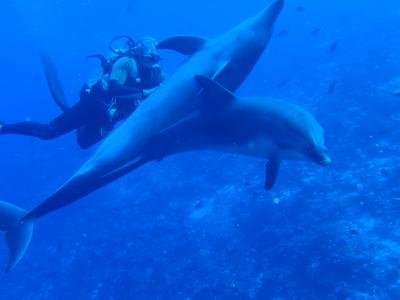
(200, 225)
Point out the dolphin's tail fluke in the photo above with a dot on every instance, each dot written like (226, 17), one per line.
(18, 234)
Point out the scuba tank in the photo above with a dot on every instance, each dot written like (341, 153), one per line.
(120, 46)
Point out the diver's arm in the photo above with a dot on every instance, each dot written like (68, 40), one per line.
(158, 74)
(122, 69)
(95, 77)
(158, 77)
(117, 89)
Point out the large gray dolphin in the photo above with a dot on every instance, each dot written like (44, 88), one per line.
(227, 58)
(260, 127)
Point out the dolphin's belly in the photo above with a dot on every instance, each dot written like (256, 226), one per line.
(260, 147)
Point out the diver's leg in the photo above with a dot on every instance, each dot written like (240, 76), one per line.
(69, 120)
(89, 135)
(97, 124)
(42, 131)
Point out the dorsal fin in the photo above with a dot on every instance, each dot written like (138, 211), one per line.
(214, 90)
(183, 44)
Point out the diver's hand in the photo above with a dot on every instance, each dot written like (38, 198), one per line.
(104, 85)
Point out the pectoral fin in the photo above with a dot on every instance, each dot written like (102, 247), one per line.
(217, 94)
(271, 173)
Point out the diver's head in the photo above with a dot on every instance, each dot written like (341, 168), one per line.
(146, 51)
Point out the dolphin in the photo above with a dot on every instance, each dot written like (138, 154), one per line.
(261, 127)
(227, 58)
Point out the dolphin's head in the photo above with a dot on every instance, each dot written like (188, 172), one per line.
(313, 138)
(281, 129)
(317, 150)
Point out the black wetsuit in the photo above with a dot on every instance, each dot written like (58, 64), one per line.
(90, 115)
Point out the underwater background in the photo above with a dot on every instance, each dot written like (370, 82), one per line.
(200, 225)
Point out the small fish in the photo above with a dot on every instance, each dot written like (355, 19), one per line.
(315, 31)
(332, 87)
(385, 172)
(353, 231)
(333, 47)
(284, 82)
(130, 7)
(199, 204)
(300, 8)
(283, 32)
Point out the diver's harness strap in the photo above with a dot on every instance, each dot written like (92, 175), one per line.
(112, 109)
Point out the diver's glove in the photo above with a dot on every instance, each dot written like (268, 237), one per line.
(84, 92)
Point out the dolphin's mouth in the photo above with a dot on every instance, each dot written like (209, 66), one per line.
(321, 157)
(326, 161)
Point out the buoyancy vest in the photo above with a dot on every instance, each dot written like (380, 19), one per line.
(146, 78)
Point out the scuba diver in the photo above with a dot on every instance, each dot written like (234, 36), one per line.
(125, 79)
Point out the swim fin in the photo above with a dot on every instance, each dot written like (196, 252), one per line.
(54, 82)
